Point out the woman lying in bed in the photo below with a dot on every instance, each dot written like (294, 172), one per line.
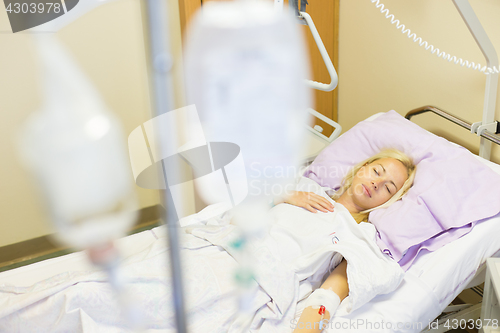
(292, 260)
(374, 183)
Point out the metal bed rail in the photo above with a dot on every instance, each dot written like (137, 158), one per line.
(454, 119)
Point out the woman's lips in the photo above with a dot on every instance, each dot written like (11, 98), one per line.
(367, 191)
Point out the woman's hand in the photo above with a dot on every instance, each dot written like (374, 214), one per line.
(308, 200)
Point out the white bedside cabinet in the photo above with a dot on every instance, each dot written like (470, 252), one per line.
(490, 308)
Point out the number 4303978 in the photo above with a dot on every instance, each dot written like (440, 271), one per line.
(33, 8)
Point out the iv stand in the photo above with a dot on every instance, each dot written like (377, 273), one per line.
(161, 63)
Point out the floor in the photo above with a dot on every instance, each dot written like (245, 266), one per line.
(469, 296)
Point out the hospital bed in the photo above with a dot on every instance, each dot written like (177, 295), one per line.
(435, 278)
(429, 285)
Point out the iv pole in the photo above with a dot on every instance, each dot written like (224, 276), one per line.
(161, 63)
(490, 94)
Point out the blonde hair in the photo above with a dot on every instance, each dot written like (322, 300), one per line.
(387, 153)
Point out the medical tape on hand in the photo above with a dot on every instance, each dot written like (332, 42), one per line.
(323, 297)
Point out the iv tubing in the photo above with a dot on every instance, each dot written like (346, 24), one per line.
(130, 309)
(107, 257)
(433, 50)
(162, 83)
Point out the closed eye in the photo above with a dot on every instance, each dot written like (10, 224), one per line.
(376, 171)
(387, 187)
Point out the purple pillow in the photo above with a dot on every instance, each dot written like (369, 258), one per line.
(451, 192)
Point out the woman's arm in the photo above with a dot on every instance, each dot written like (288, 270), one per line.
(314, 318)
(308, 200)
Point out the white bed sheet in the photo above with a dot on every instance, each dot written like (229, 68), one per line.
(428, 286)
(433, 281)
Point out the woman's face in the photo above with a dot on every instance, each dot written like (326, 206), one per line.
(377, 182)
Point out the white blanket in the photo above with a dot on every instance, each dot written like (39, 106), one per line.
(292, 260)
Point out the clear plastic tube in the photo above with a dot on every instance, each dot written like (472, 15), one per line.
(107, 257)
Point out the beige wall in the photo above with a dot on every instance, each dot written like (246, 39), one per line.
(108, 43)
(380, 69)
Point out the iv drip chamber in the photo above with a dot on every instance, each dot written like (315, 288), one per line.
(76, 149)
(246, 66)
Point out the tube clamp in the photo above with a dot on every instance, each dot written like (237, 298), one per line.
(479, 128)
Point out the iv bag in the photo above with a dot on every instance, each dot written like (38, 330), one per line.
(246, 66)
(76, 149)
